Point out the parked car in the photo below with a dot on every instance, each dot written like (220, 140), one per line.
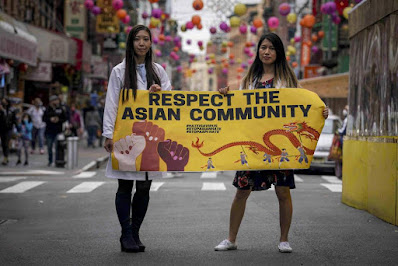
(320, 159)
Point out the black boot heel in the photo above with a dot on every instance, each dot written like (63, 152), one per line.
(139, 243)
(128, 245)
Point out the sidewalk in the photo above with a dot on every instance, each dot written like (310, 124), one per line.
(88, 159)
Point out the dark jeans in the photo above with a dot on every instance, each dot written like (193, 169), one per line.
(5, 140)
(38, 133)
(50, 139)
(92, 135)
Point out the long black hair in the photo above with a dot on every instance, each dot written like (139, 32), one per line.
(130, 74)
(283, 71)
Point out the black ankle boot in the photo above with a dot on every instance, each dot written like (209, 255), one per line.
(122, 202)
(136, 237)
(127, 242)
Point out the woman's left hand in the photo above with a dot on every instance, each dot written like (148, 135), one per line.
(155, 88)
(325, 112)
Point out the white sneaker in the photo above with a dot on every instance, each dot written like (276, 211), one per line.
(226, 245)
(284, 247)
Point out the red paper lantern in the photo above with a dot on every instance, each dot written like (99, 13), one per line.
(197, 4)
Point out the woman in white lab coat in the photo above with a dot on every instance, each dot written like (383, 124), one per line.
(136, 72)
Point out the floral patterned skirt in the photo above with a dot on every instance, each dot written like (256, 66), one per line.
(262, 180)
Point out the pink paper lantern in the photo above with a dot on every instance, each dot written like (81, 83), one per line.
(210, 70)
(297, 38)
(163, 65)
(168, 38)
(158, 53)
(176, 40)
(144, 15)
(330, 7)
(200, 43)
(243, 65)
(155, 40)
(225, 70)
(243, 29)
(314, 49)
(189, 25)
(284, 9)
(207, 57)
(157, 12)
(89, 4)
(179, 68)
(250, 61)
(231, 61)
(336, 20)
(128, 29)
(96, 10)
(223, 26)
(126, 19)
(273, 22)
(161, 43)
(189, 42)
(246, 50)
(117, 4)
(213, 30)
(253, 30)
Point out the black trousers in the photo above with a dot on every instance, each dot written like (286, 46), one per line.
(5, 139)
(138, 206)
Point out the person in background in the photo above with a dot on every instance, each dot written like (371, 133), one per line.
(23, 127)
(54, 117)
(92, 123)
(101, 105)
(76, 121)
(7, 122)
(269, 70)
(36, 112)
(342, 132)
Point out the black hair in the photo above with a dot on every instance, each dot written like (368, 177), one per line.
(130, 74)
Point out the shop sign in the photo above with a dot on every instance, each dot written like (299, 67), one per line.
(99, 67)
(107, 22)
(311, 71)
(75, 19)
(43, 72)
(305, 46)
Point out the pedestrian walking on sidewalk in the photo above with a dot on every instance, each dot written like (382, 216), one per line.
(92, 122)
(36, 112)
(24, 127)
(76, 121)
(136, 72)
(54, 117)
(269, 70)
(7, 123)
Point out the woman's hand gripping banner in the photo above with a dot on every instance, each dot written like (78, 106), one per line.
(206, 131)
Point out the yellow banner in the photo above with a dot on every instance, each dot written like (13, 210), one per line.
(206, 131)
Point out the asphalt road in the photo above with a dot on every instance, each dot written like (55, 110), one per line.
(69, 220)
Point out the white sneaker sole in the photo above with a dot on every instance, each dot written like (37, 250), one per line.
(285, 251)
(225, 249)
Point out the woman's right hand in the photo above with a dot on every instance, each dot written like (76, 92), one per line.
(224, 90)
(108, 145)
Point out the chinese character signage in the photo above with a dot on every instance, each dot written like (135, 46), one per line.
(75, 19)
(107, 22)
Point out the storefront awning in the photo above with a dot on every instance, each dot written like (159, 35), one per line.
(53, 47)
(16, 42)
(330, 86)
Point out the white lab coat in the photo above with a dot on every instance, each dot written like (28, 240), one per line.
(115, 84)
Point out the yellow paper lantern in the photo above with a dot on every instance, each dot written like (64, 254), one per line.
(287, 53)
(292, 41)
(240, 9)
(224, 44)
(291, 49)
(291, 18)
(154, 21)
(209, 43)
(212, 56)
(234, 21)
(346, 11)
(122, 45)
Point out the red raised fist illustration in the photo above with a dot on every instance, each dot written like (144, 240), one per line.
(153, 135)
(174, 155)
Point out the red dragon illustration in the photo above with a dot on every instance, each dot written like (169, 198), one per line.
(301, 128)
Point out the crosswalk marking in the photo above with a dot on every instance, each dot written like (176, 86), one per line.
(10, 179)
(86, 174)
(213, 186)
(22, 187)
(333, 187)
(331, 179)
(298, 179)
(156, 185)
(85, 187)
(208, 175)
